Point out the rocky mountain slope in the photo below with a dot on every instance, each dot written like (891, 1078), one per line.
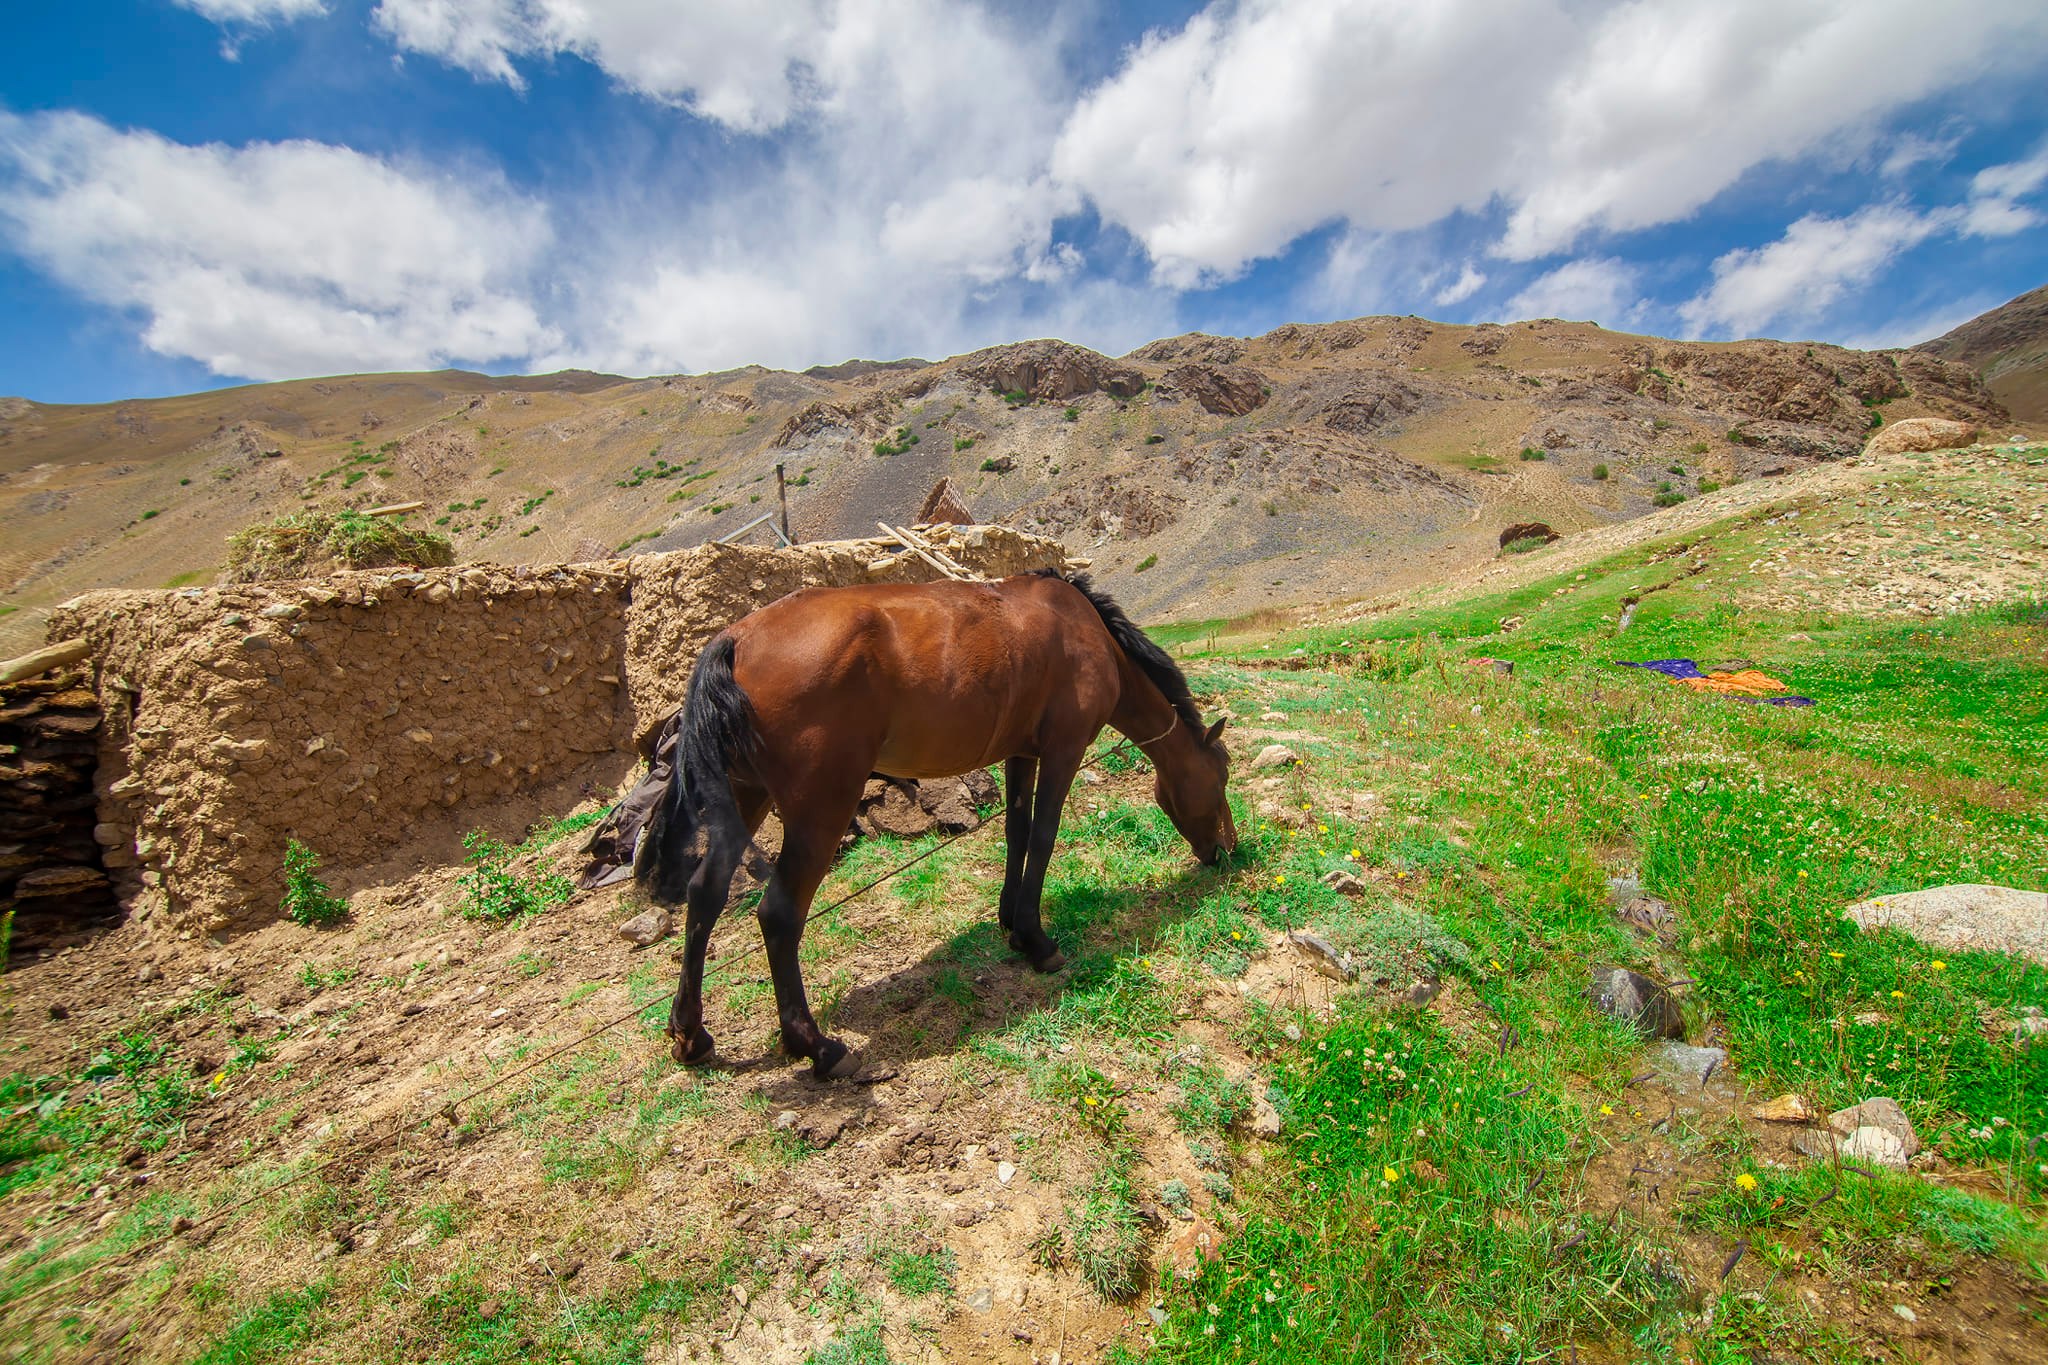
(2008, 346)
(1205, 475)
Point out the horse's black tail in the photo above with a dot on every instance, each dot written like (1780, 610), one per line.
(700, 818)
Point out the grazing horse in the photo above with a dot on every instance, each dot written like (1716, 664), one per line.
(796, 705)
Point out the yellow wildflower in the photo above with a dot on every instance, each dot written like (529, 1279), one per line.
(1606, 1109)
(1389, 1174)
(1746, 1181)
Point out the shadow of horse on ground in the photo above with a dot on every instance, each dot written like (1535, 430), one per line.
(971, 985)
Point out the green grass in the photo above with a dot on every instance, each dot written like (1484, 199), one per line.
(274, 1329)
(303, 542)
(494, 890)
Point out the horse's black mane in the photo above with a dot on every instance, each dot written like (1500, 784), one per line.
(1162, 670)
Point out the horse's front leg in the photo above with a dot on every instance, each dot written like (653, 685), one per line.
(1027, 935)
(1019, 777)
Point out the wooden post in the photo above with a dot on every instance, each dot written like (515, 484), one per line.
(782, 496)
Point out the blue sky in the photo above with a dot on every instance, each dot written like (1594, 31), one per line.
(211, 191)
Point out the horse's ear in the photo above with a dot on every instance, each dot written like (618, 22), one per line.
(1214, 731)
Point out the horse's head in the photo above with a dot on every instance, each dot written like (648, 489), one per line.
(1195, 796)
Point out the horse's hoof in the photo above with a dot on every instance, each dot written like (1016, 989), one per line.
(705, 1053)
(1051, 962)
(834, 1062)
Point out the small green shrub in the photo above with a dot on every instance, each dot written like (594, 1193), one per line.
(921, 1273)
(903, 440)
(991, 466)
(1668, 499)
(1710, 485)
(152, 512)
(1073, 414)
(1104, 1234)
(963, 443)
(1532, 453)
(1677, 469)
(492, 890)
(1525, 544)
(1696, 448)
(1147, 562)
(1600, 472)
(1154, 439)
(306, 898)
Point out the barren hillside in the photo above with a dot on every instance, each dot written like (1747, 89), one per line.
(2008, 346)
(1205, 475)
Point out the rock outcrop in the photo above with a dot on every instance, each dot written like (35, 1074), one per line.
(1527, 530)
(1226, 390)
(1196, 346)
(1055, 371)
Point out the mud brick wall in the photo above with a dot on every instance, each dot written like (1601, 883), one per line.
(374, 715)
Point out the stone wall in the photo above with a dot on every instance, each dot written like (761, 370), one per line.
(50, 874)
(376, 715)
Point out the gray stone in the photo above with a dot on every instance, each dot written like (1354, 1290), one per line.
(1966, 917)
(1880, 1111)
(1343, 883)
(1322, 956)
(647, 928)
(1274, 756)
(1687, 1070)
(1874, 1146)
(1636, 999)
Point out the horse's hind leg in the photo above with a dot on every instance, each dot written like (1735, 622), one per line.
(810, 839)
(689, 1042)
(1020, 775)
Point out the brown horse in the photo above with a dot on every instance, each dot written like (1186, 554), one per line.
(795, 705)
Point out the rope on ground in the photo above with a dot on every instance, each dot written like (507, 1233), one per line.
(366, 1146)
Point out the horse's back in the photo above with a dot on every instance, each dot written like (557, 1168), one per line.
(936, 677)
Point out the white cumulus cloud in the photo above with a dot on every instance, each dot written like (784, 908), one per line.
(1799, 276)
(1469, 282)
(1599, 290)
(254, 12)
(1819, 260)
(743, 65)
(274, 260)
(1220, 142)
